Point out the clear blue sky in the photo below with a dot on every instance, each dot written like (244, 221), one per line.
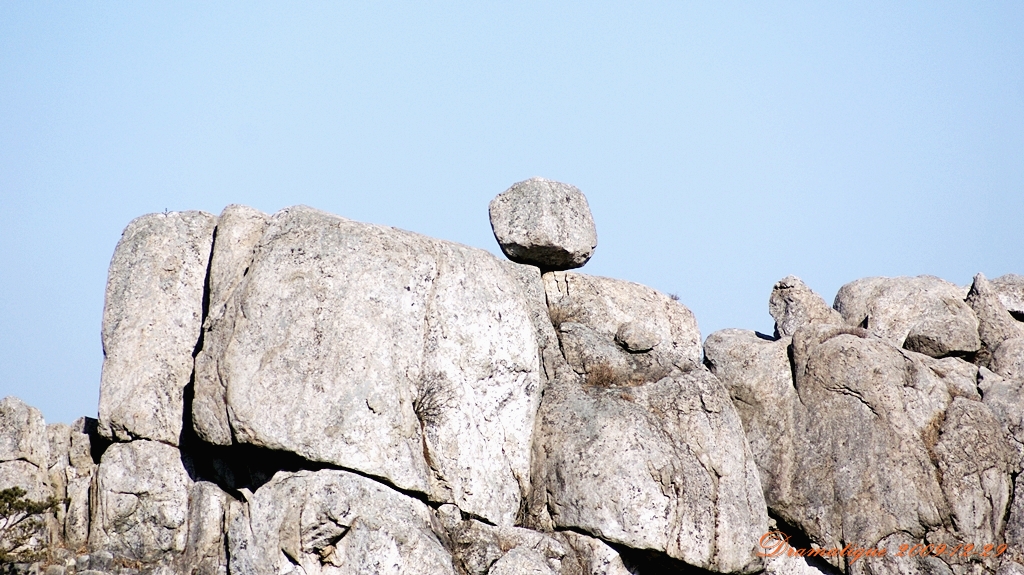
(722, 146)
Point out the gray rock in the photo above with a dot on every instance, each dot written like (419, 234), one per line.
(995, 324)
(544, 223)
(633, 337)
(151, 323)
(862, 469)
(80, 475)
(923, 314)
(661, 466)
(24, 455)
(977, 465)
(593, 315)
(1005, 398)
(22, 433)
(851, 447)
(793, 305)
(239, 229)
(757, 375)
(1008, 358)
(410, 359)
(142, 499)
(520, 561)
(205, 550)
(334, 522)
(477, 548)
(1010, 289)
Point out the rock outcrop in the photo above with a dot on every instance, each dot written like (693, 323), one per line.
(301, 393)
(544, 223)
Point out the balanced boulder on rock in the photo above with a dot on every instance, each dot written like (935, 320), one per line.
(544, 223)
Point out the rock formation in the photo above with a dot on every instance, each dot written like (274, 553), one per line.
(301, 393)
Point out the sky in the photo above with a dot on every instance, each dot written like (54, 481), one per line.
(721, 145)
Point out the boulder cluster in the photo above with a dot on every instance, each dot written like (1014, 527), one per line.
(301, 393)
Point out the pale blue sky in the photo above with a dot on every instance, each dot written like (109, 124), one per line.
(722, 146)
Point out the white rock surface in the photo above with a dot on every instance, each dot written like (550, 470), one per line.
(1010, 289)
(151, 324)
(408, 358)
(544, 223)
(793, 305)
(142, 499)
(331, 523)
(599, 319)
(661, 466)
(923, 313)
(239, 229)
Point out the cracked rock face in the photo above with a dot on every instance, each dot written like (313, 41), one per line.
(142, 497)
(382, 351)
(923, 314)
(544, 223)
(660, 466)
(858, 440)
(151, 323)
(331, 523)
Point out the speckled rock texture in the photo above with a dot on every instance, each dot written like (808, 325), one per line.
(544, 223)
(299, 393)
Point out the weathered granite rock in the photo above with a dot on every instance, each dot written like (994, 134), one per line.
(142, 499)
(995, 324)
(205, 549)
(70, 470)
(977, 464)
(661, 466)
(151, 324)
(599, 319)
(410, 359)
(871, 441)
(544, 223)
(24, 455)
(479, 549)
(756, 373)
(1010, 289)
(1008, 358)
(1005, 398)
(22, 433)
(863, 470)
(923, 314)
(793, 305)
(239, 229)
(334, 522)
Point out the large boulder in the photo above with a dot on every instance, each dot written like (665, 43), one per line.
(618, 331)
(923, 313)
(793, 305)
(142, 501)
(334, 522)
(151, 324)
(661, 466)
(1002, 336)
(1010, 289)
(239, 229)
(544, 223)
(756, 373)
(410, 359)
(481, 549)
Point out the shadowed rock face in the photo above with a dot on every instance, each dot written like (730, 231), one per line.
(301, 393)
